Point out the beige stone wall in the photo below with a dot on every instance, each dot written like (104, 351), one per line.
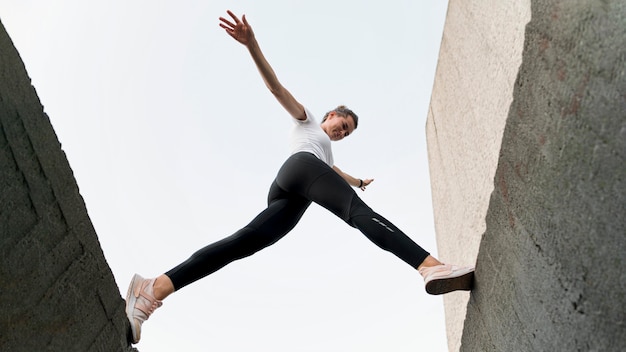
(481, 52)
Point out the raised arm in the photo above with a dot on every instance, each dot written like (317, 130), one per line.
(242, 32)
(353, 181)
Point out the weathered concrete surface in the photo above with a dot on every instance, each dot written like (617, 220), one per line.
(480, 55)
(551, 263)
(57, 292)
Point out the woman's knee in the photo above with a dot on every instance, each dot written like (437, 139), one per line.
(358, 208)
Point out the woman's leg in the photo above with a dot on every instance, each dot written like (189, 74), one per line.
(318, 182)
(306, 175)
(282, 214)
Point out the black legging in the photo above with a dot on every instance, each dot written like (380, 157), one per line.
(303, 178)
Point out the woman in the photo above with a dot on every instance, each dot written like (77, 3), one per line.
(308, 175)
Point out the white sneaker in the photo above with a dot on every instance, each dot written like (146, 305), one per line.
(140, 303)
(440, 279)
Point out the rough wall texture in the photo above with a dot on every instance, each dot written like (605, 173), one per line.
(480, 55)
(57, 292)
(551, 263)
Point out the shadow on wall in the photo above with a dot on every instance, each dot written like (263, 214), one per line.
(57, 292)
(550, 270)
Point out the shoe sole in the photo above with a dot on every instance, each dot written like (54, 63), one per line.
(445, 285)
(130, 305)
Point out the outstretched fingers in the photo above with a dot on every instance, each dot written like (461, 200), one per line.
(233, 16)
(226, 24)
(240, 31)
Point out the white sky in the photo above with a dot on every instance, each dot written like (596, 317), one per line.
(174, 141)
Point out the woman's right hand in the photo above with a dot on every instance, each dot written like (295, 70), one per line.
(240, 30)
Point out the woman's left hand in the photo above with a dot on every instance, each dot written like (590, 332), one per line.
(353, 181)
(366, 183)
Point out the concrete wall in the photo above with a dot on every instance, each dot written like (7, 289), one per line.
(480, 55)
(549, 265)
(57, 292)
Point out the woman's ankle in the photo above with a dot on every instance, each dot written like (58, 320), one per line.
(163, 287)
(428, 262)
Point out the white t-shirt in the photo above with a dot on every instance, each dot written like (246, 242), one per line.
(308, 136)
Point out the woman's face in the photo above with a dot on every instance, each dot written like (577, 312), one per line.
(338, 127)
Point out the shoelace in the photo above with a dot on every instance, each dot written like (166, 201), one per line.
(147, 309)
(155, 304)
